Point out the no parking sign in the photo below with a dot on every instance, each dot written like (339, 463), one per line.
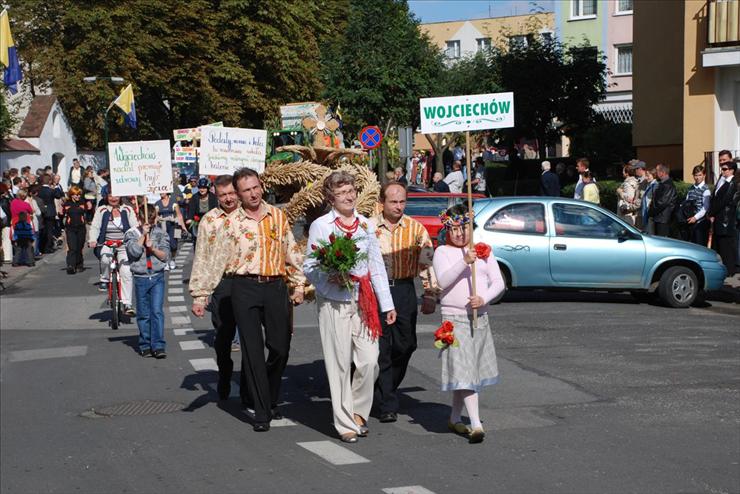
(371, 137)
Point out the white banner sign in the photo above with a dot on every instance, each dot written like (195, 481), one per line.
(472, 112)
(223, 150)
(140, 167)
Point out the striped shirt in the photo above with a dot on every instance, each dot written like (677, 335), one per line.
(242, 245)
(407, 250)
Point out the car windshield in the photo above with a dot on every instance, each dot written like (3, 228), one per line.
(426, 206)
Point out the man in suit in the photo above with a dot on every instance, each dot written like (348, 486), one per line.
(664, 202)
(49, 214)
(549, 181)
(722, 213)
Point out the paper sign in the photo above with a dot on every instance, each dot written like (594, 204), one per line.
(140, 167)
(223, 150)
(192, 133)
(186, 154)
(472, 112)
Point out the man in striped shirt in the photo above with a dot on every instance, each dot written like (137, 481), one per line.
(407, 252)
(258, 253)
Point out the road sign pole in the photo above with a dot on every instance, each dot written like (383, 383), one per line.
(471, 244)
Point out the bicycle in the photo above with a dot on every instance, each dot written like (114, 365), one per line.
(114, 284)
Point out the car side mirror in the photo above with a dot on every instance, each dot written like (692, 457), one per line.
(625, 235)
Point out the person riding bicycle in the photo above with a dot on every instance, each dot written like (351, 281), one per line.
(200, 204)
(109, 224)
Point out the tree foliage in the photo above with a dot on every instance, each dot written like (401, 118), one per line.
(6, 121)
(380, 67)
(234, 61)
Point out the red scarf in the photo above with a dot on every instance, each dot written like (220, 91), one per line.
(368, 304)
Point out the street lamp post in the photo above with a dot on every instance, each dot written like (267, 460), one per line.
(114, 80)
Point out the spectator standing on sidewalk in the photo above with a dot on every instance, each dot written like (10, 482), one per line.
(207, 260)
(76, 175)
(455, 179)
(590, 189)
(627, 193)
(5, 240)
(697, 203)
(723, 211)
(148, 251)
(23, 237)
(646, 199)
(439, 184)
(582, 166)
(664, 202)
(49, 213)
(90, 191)
(549, 181)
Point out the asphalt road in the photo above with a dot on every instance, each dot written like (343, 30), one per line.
(598, 394)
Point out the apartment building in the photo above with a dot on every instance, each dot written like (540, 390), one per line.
(605, 25)
(687, 82)
(459, 39)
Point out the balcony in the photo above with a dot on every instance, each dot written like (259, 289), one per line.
(723, 34)
(724, 22)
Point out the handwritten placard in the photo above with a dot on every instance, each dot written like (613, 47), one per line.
(223, 150)
(140, 167)
(185, 154)
(192, 134)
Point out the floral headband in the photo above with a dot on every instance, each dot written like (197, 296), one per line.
(455, 219)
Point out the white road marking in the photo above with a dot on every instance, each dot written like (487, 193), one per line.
(192, 345)
(180, 320)
(45, 353)
(175, 290)
(178, 308)
(183, 331)
(333, 453)
(176, 298)
(204, 364)
(176, 271)
(175, 277)
(409, 489)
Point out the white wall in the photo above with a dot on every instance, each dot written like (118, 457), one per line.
(64, 143)
(727, 109)
(19, 159)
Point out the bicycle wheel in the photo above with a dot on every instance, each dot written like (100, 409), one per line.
(114, 300)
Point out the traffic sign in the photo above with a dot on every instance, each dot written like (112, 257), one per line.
(371, 137)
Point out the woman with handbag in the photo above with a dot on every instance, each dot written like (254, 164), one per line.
(627, 206)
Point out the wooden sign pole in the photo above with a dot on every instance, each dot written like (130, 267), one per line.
(471, 245)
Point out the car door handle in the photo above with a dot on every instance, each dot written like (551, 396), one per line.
(561, 247)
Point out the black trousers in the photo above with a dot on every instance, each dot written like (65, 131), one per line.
(222, 317)
(47, 234)
(75, 244)
(726, 247)
(256, 304)
(698, 233)
(396, 345)
(663, 229)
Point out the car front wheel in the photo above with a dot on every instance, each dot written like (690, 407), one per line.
(678, 287)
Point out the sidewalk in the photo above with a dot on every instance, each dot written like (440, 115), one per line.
(17, 273)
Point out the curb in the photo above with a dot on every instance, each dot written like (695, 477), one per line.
(13, 278)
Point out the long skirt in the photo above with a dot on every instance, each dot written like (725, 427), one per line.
(472, 364)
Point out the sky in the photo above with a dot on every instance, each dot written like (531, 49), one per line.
(456, 10)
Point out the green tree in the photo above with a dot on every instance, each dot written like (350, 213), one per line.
(213, 60)
(380, 67)
(554, 86)
(6, 121)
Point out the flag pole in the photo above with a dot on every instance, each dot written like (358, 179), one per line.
(471, 245)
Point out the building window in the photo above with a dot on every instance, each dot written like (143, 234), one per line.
(624, 7)
(453, 49)
(583, 8)
(483, 43)
(518, 41)
(624, 60)
(546, 36)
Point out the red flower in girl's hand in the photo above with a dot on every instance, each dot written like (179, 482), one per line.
(482, 250)
(348, 235)
(196, 218)
(445, 337)
(313, 247)
(332, 238)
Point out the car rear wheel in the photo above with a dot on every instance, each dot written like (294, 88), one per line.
(678, 287)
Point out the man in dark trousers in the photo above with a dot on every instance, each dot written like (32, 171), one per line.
(48, 214)
(222, 311)
(664, 202)
(722, 213)
(549, 181)
(407, 252)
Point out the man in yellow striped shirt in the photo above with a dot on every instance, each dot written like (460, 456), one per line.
(407, 252)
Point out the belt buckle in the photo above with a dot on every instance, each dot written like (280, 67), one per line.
(391, 282)
(262, 279)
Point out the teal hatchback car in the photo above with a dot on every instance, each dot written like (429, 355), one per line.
(551, 242)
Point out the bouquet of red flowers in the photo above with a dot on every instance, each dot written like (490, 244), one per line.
(444, 337)
(482, 250)
(338, 257)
